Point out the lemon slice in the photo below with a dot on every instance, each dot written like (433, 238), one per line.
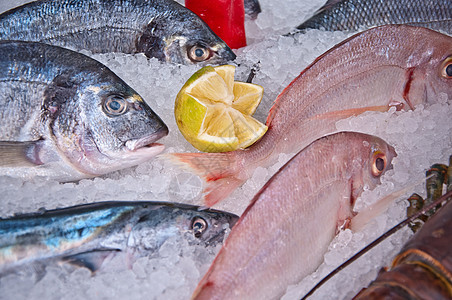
(213, 111)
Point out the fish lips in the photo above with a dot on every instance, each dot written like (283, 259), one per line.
(147, 143)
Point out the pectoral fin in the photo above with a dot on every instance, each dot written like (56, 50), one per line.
(91, 260)
(19, 154)
(342, 114)
(370, 212)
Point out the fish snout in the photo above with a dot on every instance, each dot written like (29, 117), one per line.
(226, 53)
(148, 140)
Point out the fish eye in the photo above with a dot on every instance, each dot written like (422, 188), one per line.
(378, 164)
(198, 225)
(446, 69)
(199, 53)
(115, 105)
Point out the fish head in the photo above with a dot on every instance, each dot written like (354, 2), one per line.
(373, 158)
(439, 77)
(176, 223)
(206, 227)
(106, 127)
(429, 75)
(183, 38)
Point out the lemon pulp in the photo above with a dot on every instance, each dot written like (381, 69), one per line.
(213, 112)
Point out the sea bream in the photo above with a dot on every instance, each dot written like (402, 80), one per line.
(66, 116)
(158, 28)
(285, 231)
(371, 71)
(354, 15)
(252, 8)
(86, 234)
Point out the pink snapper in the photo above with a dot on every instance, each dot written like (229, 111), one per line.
(285, 231)
(393, 65)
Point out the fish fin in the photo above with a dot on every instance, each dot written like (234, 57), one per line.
(216, 169)
(350, 112)
(19, 154)
(338, 113)
(367, 214)
(91, 260)
(220, 189)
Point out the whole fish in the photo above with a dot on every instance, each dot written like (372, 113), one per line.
(371, 71)
(86, 234)
(158, 28)
(285, 231)
(357, 14)
(66, 116)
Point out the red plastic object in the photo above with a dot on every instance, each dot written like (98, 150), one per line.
(225, 17)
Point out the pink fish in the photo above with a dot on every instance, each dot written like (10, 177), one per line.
(285, 231)
(393, 65)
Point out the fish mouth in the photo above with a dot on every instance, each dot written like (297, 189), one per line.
(147, 141)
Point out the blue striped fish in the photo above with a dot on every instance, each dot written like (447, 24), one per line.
(85, 235)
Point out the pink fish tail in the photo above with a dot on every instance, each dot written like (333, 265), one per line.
(203, 291)
(220, 189)
(218, 170)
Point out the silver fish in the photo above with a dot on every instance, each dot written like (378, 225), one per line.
(353, 15)
(86, 234)
(285, 231)
(158, 28)
(66, 116)
(252, 8)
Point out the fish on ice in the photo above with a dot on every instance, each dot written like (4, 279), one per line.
(353, 15)
(252, 8)
(158, 28)
(285, 231)
(86, 234)
(66, 116)
(371, 71)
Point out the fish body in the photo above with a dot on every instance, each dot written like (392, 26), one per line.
(66, 116)
(285, 231)
(86, 234)
(371, 71)
(158, 28)
(353, 15)
(252, 8)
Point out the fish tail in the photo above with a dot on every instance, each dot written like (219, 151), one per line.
(218, 170)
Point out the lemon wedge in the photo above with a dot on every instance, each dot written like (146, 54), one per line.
(213, 111)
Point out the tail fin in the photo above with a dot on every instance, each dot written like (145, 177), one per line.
(219, 171)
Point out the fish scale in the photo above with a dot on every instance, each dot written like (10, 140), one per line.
(55, 115)
(371, 71)
(80, 233)
(158, 28)
(358, 14)
(284, 232)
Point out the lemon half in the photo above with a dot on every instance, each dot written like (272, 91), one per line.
(213, 111)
